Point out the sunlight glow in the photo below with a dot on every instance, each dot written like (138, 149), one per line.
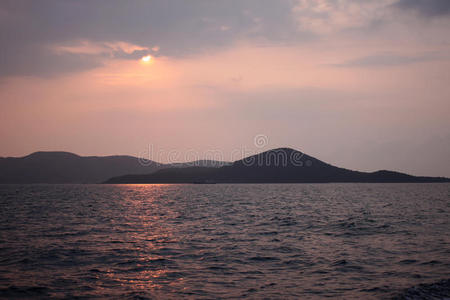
(146, 58)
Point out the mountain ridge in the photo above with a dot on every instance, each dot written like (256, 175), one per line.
(281, 165)
(67, 167)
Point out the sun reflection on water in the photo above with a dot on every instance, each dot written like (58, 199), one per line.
(151, 236)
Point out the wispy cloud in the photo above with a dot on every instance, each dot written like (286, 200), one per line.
(330, 16)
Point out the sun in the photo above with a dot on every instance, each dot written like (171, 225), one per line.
(146, 58)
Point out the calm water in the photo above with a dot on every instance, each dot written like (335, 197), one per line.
(222, 241)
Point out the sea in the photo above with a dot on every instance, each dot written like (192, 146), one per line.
(225, 241)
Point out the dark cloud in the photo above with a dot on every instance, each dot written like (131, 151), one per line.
(136, 54)
(178, 27)
(428, 8)
(387, 60)
(32, 59)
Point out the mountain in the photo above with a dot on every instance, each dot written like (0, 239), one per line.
(200, 163)
(65, 167)
(283, 165)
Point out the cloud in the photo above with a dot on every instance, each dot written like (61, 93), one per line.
(58, 59)
(31, 60)
(387, 60)
(117, 49)
(88, 32)
(325, 16)
(175, 28)
(427, 8)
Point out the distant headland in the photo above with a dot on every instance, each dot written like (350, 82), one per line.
(282, 165)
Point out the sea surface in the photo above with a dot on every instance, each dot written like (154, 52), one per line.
(272, 241)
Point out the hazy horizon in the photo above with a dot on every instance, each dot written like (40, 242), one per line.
(361, 85)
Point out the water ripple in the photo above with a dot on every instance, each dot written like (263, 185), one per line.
(224, 241)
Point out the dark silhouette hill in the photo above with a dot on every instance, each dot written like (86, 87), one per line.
(200, 163)
(65, 167)
(283, 165)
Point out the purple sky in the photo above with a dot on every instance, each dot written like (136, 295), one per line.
(359, 84)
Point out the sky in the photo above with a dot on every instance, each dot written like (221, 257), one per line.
(359, 84)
